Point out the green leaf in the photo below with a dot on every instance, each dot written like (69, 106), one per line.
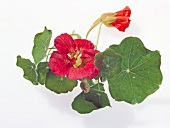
(42, 70)
(81, 105)
(140, 73)
(87, 102)
(29, 69)
(97, 96)
(90, 82)
(41, 44)
(59, 84)
(108, 63)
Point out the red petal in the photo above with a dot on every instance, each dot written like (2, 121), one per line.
(65, 43)
(83, 44)
(121, 23)
(58, 64)
(79, 73)
(88, 55)
(125, 12)
(94, 74)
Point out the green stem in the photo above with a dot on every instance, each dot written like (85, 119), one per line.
(98, 35)
(77, 35)
(98, 84)
(49, 53)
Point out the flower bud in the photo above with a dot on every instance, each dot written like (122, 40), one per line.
(119, 20)
(85, 86)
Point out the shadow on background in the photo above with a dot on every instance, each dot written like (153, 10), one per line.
(61, 102)
(119, 116)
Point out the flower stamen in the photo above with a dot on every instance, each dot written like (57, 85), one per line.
(78, 62)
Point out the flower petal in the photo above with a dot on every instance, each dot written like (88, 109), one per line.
(88, 56)
(83, 44)
(94, 74)
(125, 12)
(79, 73)
(59, 64)
(121, 23)
(89, 53)
(65, 43)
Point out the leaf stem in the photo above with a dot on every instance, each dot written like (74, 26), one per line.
(77, 35)
(52, 48)
(49, 53)
(98, 84)
(97, 41)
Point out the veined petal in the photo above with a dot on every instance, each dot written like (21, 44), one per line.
(65, 43)
(83, 44)
(88, 55)
(125, 12)
(94, 74)
(121, 23)
(79, 73)
(59, 63)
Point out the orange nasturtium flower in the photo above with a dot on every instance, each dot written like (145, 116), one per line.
(119, 20)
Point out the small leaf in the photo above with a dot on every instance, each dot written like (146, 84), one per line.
(29, 69)
(140, 73)
(42, 70)
(41, 44)
(81, 105)
(97, 96)
(108, 63)
(59, 84)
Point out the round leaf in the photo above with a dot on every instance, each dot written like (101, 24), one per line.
(140, 73)
(81, 105)
(108, 62)
(59, 84)
(97, 96)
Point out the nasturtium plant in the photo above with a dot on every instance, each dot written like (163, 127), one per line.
(131, 71)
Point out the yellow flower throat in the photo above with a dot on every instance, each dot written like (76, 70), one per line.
(78, 61)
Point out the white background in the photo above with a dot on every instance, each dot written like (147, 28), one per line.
(23, 105)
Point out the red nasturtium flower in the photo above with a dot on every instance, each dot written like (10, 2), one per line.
(74, 58)
(119, 19)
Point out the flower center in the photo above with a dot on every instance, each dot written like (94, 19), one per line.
(78, 62)
(77, 57)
